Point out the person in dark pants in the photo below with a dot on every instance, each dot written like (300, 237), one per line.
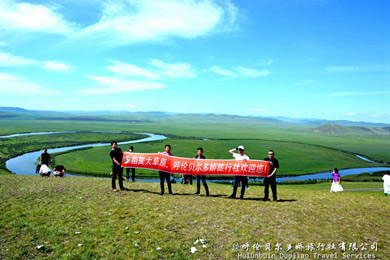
(166, 175)
(271, 179)
(45, 157)
(201, 177)
(239, 178)
(131, 149)
(116, 155)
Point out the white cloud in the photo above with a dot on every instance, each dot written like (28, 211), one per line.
(240, 72)
(174, 70)
(131, 70)
(115, 85)
(32, 17)
(252, 73)
(130, 106)
(12, 84)
(223, 72)
(56, 66)
(351, 114)
(125, 22)
(9, 60)
(159, 70)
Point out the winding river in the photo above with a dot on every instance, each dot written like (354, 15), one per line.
(25, 164)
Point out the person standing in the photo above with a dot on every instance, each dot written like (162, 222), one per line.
(239, 178)
(165, 175)
(386, 184)
(116, 155)
(336, 183)
(202, 178)
(131, 150)
(271, 178)
(45, 157)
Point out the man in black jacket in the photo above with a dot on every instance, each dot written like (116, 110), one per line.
(271, 178)
(116, 155)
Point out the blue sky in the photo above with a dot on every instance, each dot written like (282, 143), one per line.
(297, 58)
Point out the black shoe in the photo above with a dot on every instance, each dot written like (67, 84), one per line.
(207, 195)
(161, 193)
(265, 199)
(241, 197)
(197, 193)
(171, 193)
(232, 197)
(274, 200)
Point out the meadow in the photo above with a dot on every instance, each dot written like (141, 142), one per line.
(299, 151)
(81, 218)
(295, 159)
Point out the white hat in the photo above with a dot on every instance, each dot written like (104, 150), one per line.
(241, 147)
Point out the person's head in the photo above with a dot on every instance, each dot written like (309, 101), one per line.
(45, 150)
(200, 151)
(241, 149)
(131, 148)
(167, 148)
(271, 154)
(335, 170)
(114, 144)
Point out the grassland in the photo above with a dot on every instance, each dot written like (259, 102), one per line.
(81, 218)
(295, 159)
(299, 150)
(14, 146)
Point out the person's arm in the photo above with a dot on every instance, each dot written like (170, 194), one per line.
(231, 151)
(273, 172)
(115, 161)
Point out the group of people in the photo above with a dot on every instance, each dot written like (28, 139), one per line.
(238, 153)
(43, 166)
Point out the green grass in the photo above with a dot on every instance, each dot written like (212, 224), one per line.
(52, 211)
(14, 146)
(294, 159)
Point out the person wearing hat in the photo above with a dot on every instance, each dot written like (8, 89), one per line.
(239, 178)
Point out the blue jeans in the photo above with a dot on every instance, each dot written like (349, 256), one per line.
(203, 179)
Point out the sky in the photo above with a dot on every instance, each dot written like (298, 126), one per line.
(326, 59)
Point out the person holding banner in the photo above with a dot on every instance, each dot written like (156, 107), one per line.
(239, 178)
(271, 178)
(131, 150)
(116, 155)
(165, 175)
(201, 177)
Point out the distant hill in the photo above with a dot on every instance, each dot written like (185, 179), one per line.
(320, 125)
(333, 129)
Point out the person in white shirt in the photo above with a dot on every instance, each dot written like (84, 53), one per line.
(239, 178)
(386, 184)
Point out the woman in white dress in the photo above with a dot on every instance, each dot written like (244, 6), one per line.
(336, 183)
(386, 184)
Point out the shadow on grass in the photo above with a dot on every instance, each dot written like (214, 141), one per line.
(261, 199)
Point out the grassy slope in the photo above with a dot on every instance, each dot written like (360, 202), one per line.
(293, 158)
(49, 211)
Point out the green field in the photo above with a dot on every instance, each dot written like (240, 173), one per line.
(14, 146)
(81, 218)
(295, 159)
(299, 150)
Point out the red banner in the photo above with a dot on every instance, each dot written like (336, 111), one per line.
(180, 165)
